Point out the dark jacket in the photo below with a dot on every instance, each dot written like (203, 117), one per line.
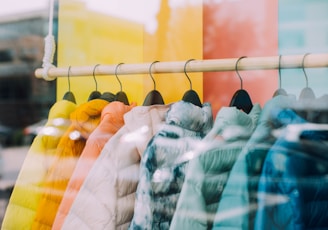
(293, 187)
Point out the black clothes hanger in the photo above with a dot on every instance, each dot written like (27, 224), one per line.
(307, 92)
(191, 95)
(121, 95)
(241, 98)
(69, 96)
(107, 96)
(154, 97)
(280, 91)
(94, 94)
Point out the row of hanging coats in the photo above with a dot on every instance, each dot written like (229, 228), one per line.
(108, 164)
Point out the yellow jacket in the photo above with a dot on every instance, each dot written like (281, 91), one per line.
(25, 197)
(84, 120)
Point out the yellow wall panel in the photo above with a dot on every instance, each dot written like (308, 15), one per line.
(88, 37)
(179, 37)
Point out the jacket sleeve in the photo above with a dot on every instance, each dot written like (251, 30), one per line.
(238, 202)
(232, 211)
(206, 178)
(89, 209)
(143, 218)
(190, 212)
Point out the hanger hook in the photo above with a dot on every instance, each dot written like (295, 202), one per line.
(236, 68)
(185, 71)
(94, 76)
(68, 76)
(306, 77)
(151, 73)
(279, 69)
(117, 76)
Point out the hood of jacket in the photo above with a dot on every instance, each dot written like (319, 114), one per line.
(233, 124)
(56, 125)
(87, 117)
(112, 116)
(265, 126)
(188, 116)
(142, 122)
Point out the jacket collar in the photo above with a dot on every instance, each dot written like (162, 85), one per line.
(190, 117)
(232, 123)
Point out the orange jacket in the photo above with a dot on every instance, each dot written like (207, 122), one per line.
(111, 121)
(84, 120)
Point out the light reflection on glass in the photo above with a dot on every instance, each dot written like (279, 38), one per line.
(50, 131)
(162, 175)
(60, 121)
(136, 136)
(75, 135)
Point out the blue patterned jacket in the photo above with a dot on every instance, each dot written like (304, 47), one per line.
(161, 172)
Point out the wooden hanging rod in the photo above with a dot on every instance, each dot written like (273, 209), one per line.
(209, 65)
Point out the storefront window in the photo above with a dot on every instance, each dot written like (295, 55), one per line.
(118, 32)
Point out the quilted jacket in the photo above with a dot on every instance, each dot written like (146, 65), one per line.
(106, 198)
(111, 121)
(25, 197)
(161, 171)
(208, 173)
(238, 202)
(292, 191)
(84, 120)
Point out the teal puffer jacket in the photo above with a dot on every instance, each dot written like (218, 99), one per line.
(208, 173)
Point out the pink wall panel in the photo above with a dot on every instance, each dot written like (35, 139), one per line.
(235, 28)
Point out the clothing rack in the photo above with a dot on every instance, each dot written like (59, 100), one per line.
(209, 65)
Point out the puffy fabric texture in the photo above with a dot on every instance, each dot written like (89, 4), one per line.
(241, 191)
(106, 197)
(84, 120)
(292, 191)
(208, 173)
(293, 187)
(161, 171)
(111, 121)
(238, 201)
(26, 194)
